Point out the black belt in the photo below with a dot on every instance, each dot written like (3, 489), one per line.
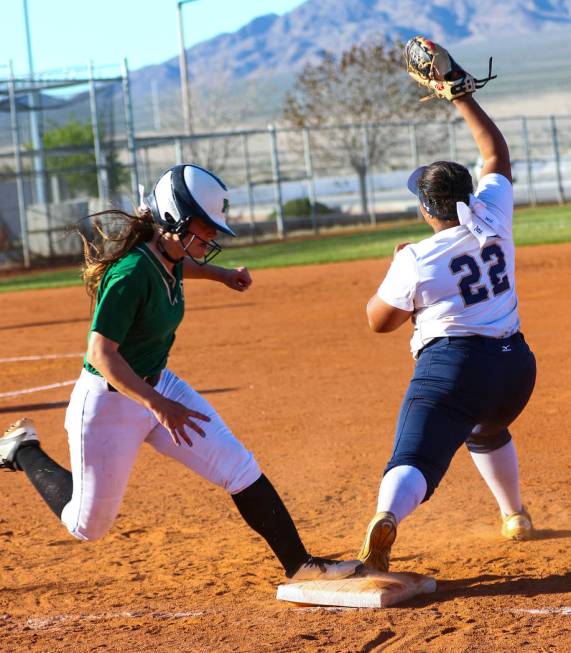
(152, 380)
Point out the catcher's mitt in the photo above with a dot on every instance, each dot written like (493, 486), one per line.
(432, 66)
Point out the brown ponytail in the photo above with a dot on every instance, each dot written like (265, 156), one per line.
(108, 242)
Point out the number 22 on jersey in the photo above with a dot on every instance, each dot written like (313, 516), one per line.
(493, 259)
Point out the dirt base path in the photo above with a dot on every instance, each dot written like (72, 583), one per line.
(295, 371)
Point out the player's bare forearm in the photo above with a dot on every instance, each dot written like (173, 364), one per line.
(383, 317)
(208, 271)
(235, 278)
(488, 137)
(104, 356)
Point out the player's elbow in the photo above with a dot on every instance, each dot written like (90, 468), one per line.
(383, 317)
(100, 350)
(378, 326)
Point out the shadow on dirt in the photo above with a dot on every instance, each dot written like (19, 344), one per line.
(381, 638)
(493, 585)
(190, 307)
(28, 325)
(76, 320)
(550, 534)
(52, 405)
(29, 408)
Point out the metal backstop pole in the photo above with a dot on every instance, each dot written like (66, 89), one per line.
(413, 144)
(368, 175)
(19, 170)
(102, 181)
(310, 178)
(130, 129)
(277, 181)
(527, 150)
(555, 140)
(452, 141)
(249, 186)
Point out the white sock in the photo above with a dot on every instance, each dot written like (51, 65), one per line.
(499, 469)
(401, 491)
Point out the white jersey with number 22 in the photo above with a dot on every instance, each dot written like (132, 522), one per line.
(454, 285)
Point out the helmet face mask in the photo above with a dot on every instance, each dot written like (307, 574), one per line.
(212, 250)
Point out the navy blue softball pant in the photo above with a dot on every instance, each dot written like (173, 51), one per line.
(463, 390)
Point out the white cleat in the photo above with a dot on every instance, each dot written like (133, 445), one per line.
(19, 434)
(325, 569)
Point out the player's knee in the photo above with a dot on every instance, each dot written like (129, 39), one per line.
(88, 532)
(87, 528)
(432, 473)
(481, 442)
(241, 474)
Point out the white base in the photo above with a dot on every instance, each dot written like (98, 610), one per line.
(374, 590)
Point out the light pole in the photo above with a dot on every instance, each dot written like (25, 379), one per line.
(184, 85)
(37, 141)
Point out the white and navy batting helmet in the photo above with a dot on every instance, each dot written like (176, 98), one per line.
(188, 191)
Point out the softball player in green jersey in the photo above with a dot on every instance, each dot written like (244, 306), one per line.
(126, 395)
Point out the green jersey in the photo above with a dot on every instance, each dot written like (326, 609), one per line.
(139, 305)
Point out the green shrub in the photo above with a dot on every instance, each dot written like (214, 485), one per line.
(300, 207)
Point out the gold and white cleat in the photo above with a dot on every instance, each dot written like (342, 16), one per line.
(517, 526)
(381, 534)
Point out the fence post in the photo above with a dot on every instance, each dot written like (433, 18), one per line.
(130, 129)
(413, 144)
(248, 171)
(530, 188)
(156, 106)
(310, 178)
(452, 141)
(277, 180)
(369, 177)
(560, 187)
(147, 179)
(19, 170)
(101, 170)
(178, 153)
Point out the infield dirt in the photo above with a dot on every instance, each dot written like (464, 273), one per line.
(295, 371)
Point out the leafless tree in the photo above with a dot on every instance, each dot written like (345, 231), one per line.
(362, 90)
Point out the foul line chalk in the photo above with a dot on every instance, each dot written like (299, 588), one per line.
(40, 623)
(27, 391)
(19, 359)
(563, 610)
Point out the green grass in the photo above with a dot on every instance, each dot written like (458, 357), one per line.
(542, 225)
(35, 280)
(532, 226)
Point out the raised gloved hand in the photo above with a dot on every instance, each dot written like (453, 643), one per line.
(431, 66)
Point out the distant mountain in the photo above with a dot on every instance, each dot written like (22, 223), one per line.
(283, 44)
(253, 67)
(264, 55)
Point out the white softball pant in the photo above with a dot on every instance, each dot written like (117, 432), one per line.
(105, 431)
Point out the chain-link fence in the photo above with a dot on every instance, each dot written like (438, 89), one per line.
(62, 156)
(68, 148)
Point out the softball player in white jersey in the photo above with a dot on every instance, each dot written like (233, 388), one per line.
(474, 372)
(126, 396)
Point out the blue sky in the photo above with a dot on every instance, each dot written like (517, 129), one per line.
(68, 33)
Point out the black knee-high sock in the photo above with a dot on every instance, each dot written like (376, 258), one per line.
(263, 510)
(54, 483)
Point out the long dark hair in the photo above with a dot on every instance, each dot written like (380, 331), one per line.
(109, 240)
(444, 183)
